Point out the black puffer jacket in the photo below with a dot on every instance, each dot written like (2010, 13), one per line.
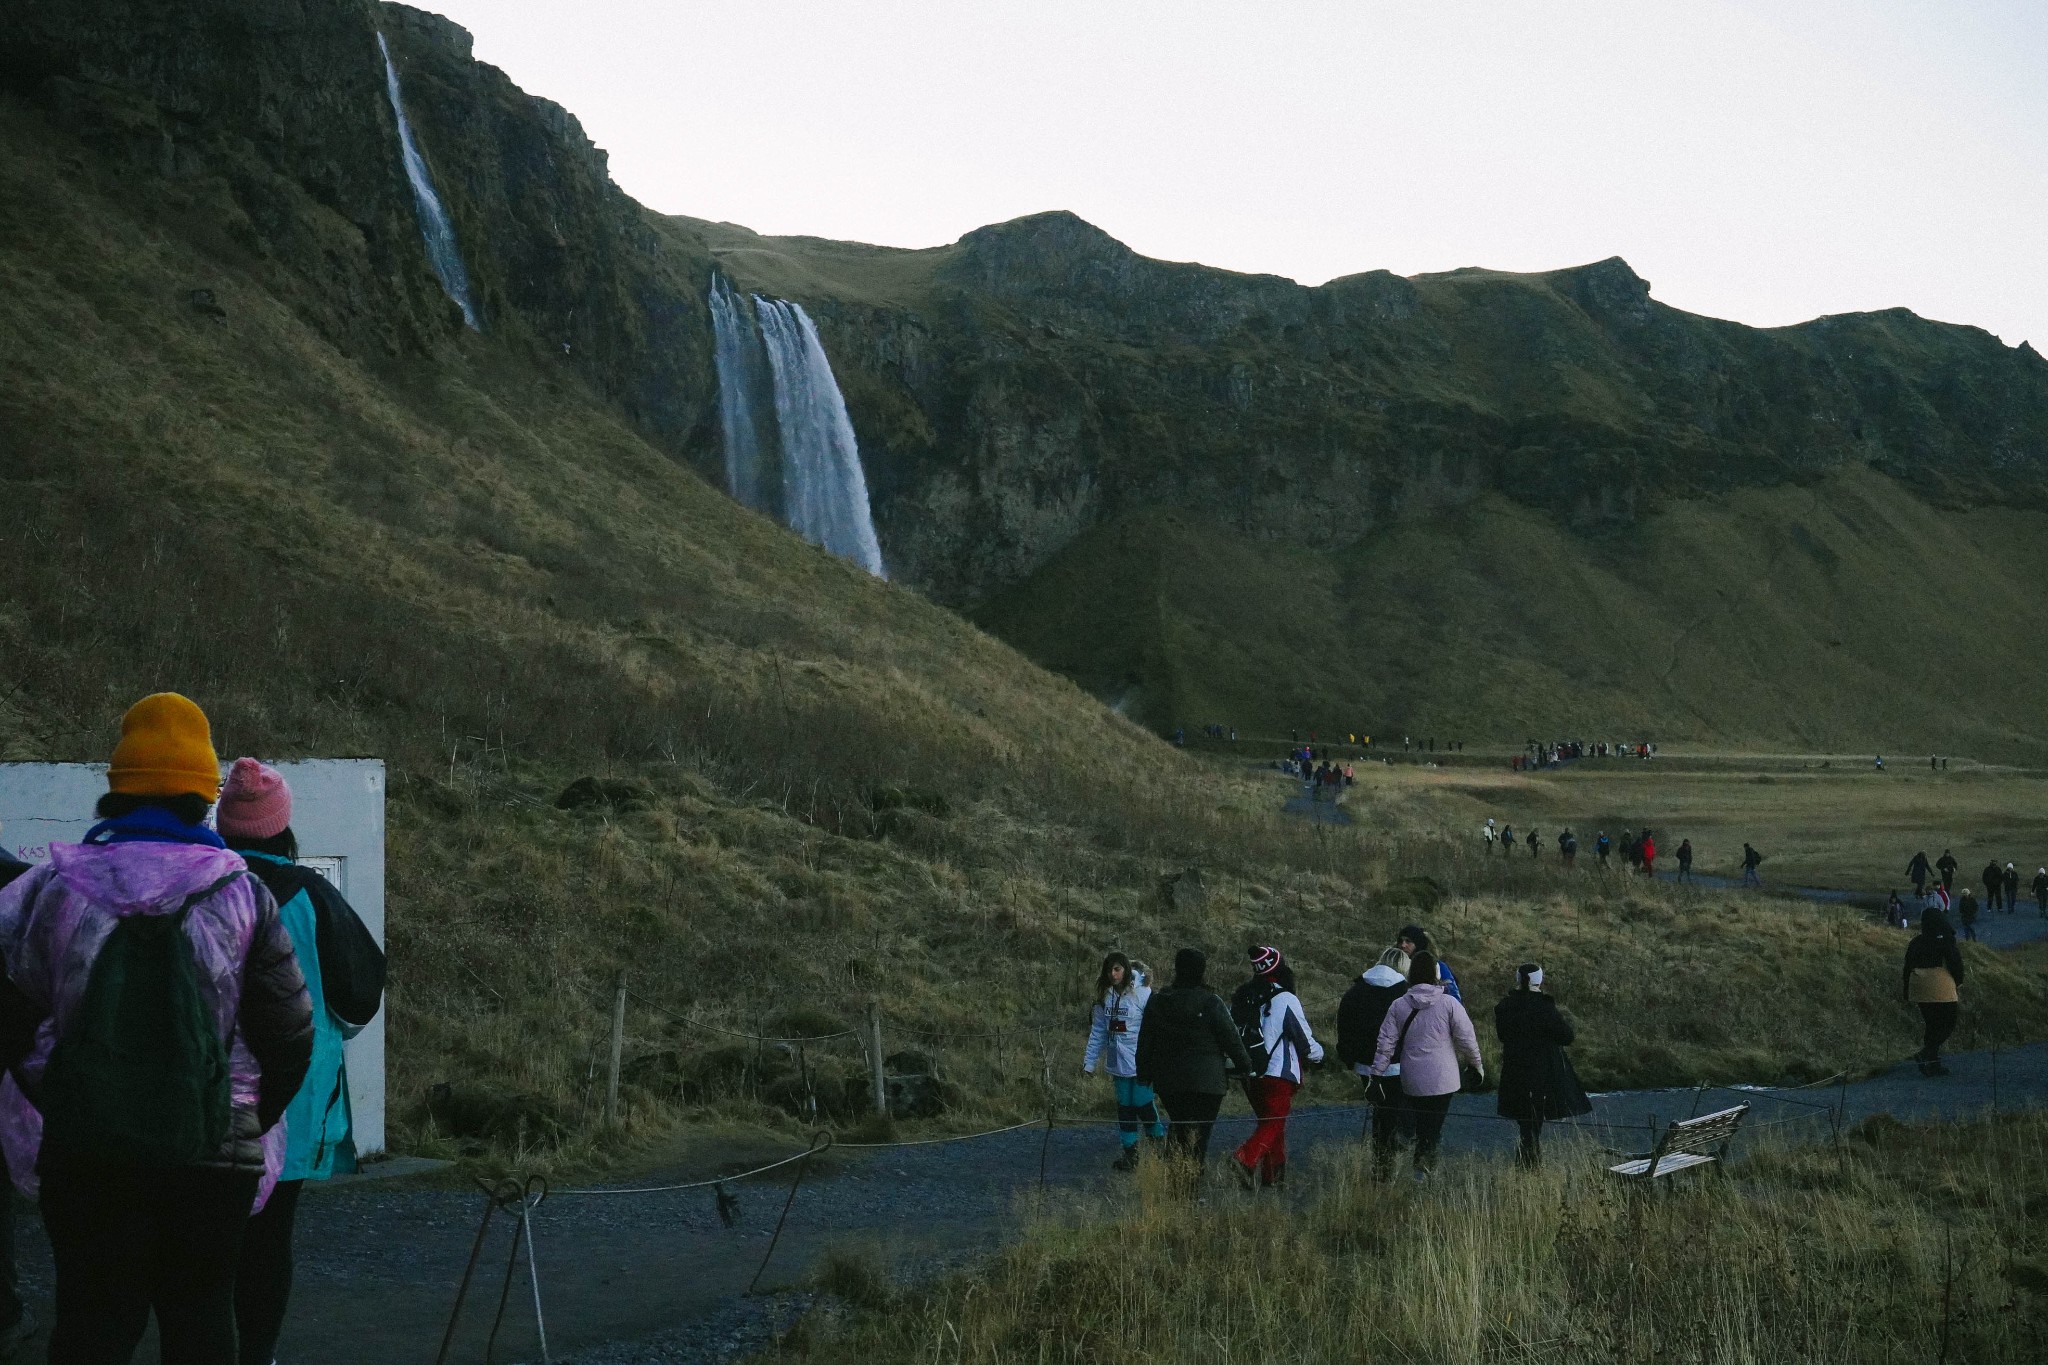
(1362, 1010)
(1536, 1077)
(1184, 1040)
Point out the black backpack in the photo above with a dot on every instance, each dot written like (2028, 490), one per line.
(1247, 1010)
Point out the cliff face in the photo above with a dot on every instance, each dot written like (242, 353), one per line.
(1060, 380)
(1036, 378)
(264, 131)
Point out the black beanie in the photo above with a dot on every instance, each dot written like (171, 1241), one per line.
(1415, 934)
(1190, 965)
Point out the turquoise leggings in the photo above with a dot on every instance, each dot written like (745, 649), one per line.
(1135, 1111)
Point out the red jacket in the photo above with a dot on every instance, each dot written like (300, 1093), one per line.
(1649, 849)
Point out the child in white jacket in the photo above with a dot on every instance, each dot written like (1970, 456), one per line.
(1113, 1041)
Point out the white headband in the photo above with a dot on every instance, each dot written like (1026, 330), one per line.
(1534, 978)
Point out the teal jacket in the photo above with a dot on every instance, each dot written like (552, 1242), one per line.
(344, 971)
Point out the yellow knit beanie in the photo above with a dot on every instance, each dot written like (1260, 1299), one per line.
(166, 749)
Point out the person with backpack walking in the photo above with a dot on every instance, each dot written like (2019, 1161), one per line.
(1359, 1015)
(1751, 861)
(154, 1010)
(1919, 872)
(1568, 847)
(1183, 1049)
(1113, 1041)
(344, 971)
(1428, 1035)
(1536, 1077)
(1602, 846)
(1274, 1029)
(1932, 977)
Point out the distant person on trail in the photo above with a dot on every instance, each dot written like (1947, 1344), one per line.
(1946, 865)
(1266, 1009)
(1602, 845)
(1685, 861)
(1751, 861)
(2041, 892)
(1994, 881)
(1568, 846)
(2012, 889)
(1966, 912)
(1919, 872)
(344, 971)
(1488, 834)
(1536, 1077)
(1428, 1034)
(1632, 850)
(155, 1012)
(1507, 840)
(1534, 847)
(1933, 973)
(1113, 1034)
(1895, 911)
(1186, 1040)
(1415, 939)
(1648, 850)
(1359, 1016)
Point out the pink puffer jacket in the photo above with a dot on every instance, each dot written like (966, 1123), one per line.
(1437, 1041)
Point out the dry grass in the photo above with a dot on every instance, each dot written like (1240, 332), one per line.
(1905, 1245)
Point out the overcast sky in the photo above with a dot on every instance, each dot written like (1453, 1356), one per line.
(1767, 162)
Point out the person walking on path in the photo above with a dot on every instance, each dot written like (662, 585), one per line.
(1266, 1008)
(1602, 846)
(2041, 892)
(154, 1010)
(1685, 860)
(1507, 841)
(1649, 847)
(1568, 847)
(1751, 861)
(1183, 1047)
(2012, 889)
(1488, 834)
(1535, 848)
(1416, 939)
(1919, 872)
(1994, 882)
(1536, 1077)
(1113, 1041)
(344, 972)
(1966, 913)
(1427, 1034)
(1946, 865)
(1359, 1016)
(1931, 980)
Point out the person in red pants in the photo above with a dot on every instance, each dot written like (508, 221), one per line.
(1275, 1031)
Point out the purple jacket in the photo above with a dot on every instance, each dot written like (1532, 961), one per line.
(1438, 1039)
(55, 919)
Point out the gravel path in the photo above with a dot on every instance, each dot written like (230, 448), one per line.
(658, 1279)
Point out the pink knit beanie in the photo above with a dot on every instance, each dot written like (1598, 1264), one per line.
(255, 803)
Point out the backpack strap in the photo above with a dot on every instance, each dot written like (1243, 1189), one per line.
(198, 896)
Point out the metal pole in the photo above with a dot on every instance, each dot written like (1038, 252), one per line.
(611, 1074)
(875, 1068)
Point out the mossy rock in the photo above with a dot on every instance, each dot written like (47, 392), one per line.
(615, 793)
(1418, 893)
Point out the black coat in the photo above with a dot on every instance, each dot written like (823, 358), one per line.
(1183, 1040)
(1536, 1078)
(1359, 1015)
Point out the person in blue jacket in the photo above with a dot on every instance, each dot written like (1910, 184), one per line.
(1415, 939)
(344, 971)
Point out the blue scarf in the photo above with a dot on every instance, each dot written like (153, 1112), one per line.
(151, 824)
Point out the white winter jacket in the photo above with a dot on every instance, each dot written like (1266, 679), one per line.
(1284, 1026)
(1113, 1037)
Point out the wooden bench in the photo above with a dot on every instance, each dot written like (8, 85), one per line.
(1685, 1144)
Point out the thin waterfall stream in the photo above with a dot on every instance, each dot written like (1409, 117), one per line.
(437, 230)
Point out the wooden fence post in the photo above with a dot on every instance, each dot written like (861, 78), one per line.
(611, 1071)
(877, 1071)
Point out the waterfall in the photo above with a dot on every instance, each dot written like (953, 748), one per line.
(750, 474)
(435, 227)
(824, 491)
(818, 488)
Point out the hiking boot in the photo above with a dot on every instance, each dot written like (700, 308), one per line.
(1933, 1068)
(1247, 1178)
(1127, 1162)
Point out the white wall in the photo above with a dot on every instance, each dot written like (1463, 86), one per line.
(338, 815)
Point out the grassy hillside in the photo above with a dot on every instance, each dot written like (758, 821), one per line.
(1844, 614)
